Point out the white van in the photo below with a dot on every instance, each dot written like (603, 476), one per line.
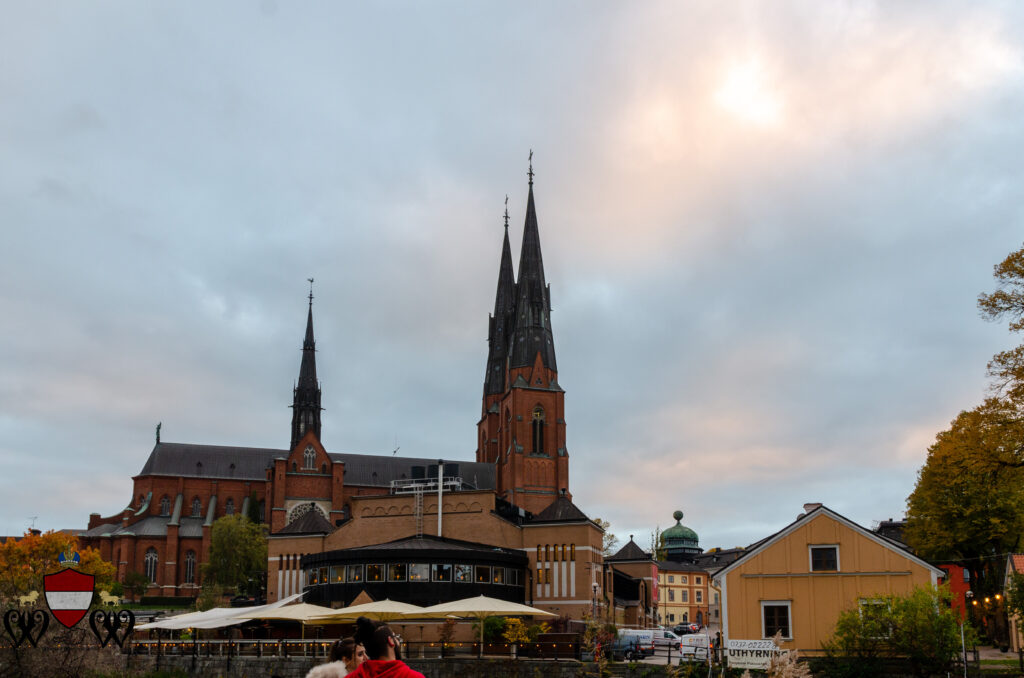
(643, 638)
(695, 647)
(664, 639)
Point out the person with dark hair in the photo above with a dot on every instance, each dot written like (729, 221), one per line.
(384, 652)
(344, 657)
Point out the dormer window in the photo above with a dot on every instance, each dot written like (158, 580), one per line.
(309, 458)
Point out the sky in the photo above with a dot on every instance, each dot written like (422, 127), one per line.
(765, 226)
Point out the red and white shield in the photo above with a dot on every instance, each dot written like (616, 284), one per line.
(68, 593)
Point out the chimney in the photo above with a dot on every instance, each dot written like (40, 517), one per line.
(811, 507)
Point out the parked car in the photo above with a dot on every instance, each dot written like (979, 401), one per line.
(681, 629)
(643, 641)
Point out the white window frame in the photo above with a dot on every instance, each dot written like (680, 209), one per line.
(685, 598)
(789, 615)
(309, 458)
(810, 559)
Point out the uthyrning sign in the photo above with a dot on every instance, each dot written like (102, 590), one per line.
(751, 654)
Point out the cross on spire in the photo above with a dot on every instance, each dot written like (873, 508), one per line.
(529, 173)
(506, 211)
(310, 291)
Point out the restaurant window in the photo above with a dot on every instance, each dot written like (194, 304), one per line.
(419, 572)
(375, 572)
(498, 575)
(397, 572)
(441, 571)
(311, 577)
(463, 573)
(824, 558)
(337, 574)
(323, 575)
(355, 573)
(483, 574)
(775, 617)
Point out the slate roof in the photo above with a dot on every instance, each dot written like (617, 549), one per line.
(250, 463)
(559, 511)
(150, 526)
(629, 552)
(311, 522)
(429, 543)
(712, 560)
(676, 566)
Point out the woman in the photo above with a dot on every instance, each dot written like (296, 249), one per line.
(344, 657)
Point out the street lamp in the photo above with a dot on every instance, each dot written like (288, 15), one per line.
(963, 645)
(594, 585)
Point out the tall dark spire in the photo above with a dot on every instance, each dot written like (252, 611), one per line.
(533, 297)
(306, 395)
(501, 322)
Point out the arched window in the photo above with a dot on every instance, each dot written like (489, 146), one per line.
(302, 509)
(151, 561)
(538, 430)
(572, 552)
(197, 507)
(309, 458)
(190, 567)
(263, 508)
(295, 467)
(142, 500)
(540, 552)
(547, 551)
(165, 506)
(229, 507)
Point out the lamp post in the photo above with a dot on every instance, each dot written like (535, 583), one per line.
(963, 645)
(594, 585)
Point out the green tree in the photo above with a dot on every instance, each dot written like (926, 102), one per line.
(919, 627)
(238, 554)
(968, 506)
(136, 584)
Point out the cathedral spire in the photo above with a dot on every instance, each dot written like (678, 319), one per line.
(533, 298)
(502, 319)
(306, 395)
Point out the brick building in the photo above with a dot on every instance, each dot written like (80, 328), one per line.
(334, 518)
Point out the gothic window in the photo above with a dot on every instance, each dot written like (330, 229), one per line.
(197, 507)
(190, 567)
(263, 508)
(142, 500)
(151, 561)
(323, 468)
(165, 506)
(309, 458)
(538, 430)
(229, 507)
(295, 467)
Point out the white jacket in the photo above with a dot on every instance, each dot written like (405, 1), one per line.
(331, 670)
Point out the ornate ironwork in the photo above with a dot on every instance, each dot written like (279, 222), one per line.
(118, 624)
(31, 624)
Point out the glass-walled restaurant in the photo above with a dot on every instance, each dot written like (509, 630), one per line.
(421, 571)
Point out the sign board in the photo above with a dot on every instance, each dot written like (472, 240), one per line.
(750, 654)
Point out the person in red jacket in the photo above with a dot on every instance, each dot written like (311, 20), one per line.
(384, 650)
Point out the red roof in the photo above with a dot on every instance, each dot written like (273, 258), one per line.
(1017, 560)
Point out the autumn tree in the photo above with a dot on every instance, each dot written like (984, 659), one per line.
(24, 562)
(1007, 302)
(238, 554)
(968, 504)
(609, 542)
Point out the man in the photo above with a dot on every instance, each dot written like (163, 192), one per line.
(384, 650)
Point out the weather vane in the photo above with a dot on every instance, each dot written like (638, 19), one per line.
(530, 172)
(506, 210)
(310, 291)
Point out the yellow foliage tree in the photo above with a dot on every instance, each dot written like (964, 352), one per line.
(24, 562)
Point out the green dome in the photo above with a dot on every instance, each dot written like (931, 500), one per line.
(679, 532)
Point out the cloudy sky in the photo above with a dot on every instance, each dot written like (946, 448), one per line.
(765, 229)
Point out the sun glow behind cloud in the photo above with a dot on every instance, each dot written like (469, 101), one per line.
(747, 92)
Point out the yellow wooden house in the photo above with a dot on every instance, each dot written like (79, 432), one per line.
(799, 579)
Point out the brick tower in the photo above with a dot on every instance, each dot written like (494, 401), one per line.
(522, 425)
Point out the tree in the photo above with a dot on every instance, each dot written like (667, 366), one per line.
(238, 554)
(968, 504)
(1007, 367)
(609, 542)
(136, 584)
(918, 627)
(658, 543)
(24, 562)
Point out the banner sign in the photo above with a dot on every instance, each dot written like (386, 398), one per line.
(751, 654)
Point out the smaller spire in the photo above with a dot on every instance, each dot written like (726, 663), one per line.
(529, 172)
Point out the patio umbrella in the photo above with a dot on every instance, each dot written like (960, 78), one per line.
(480, 608)
(303, 612)
(381, 610)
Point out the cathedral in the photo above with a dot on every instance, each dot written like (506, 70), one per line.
(343, 525)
